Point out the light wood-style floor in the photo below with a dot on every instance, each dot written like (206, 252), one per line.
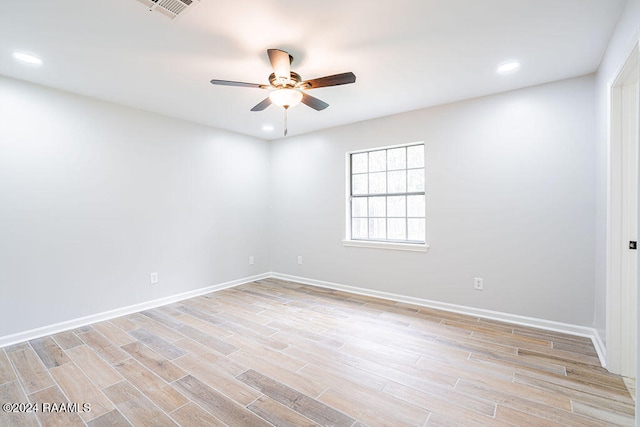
(284, 354)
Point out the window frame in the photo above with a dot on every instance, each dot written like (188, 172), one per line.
(379, 244)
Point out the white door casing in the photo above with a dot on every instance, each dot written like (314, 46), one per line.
(623, 220)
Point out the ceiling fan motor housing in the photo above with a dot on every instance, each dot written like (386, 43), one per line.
(292, 82)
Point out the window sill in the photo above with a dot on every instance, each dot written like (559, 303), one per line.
(386, 245)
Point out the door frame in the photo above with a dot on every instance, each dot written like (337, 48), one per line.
(619, 303)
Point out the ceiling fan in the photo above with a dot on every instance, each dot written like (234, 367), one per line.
(287, 88)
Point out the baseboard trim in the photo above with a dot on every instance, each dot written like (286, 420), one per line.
(100, 317)
(601, 349)
(549, 325)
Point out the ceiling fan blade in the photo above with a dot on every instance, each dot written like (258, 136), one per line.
(334, 80)
(314, 103)
(281, 63)
(262, 105)
(240, 84)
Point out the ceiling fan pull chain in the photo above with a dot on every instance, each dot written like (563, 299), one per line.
(285, 120)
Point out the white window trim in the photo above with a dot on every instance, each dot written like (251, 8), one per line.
(412, 247)
(373, 244)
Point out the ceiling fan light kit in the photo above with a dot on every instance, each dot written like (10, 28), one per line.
(286, 98)
(287, 87)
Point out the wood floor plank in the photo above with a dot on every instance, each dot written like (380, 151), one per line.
(113, 333)
(139, 410)
(110, 419)
(587, 350)
(193, 415)
(321, 355)
(278, 414)
(82, 329)
(157, 344)
(421, 379)
(155, 362)
(53, 395)
(501, 389)
(263, 340)
(192, 310)
(608, 417)
(293, 399)
(561, 356)
(443, 401)
(205, 354)
(219, 380)
(99, 371)
(79, 389)
(17, 347)
(568, 386)
(518, 418)
(7, 374)
(374, 408)
(31, 371)
(520, 363)
(279, 373)
(334, 375)
(218, 404)
(49, 352)
(260, 349)
(202, 326)
(67, 339)
(595, 375)
(105, 348)
(162, 318)
(525, 405)
(124, 323)
(11, 392)
(154, 327)
(214, 343)
(151, 385)
(258, 328)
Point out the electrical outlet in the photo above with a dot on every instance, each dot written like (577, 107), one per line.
(478, 283)
(299, 260)
(153, 278)
(250, 260)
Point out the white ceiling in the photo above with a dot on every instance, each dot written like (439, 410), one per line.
(406, 54)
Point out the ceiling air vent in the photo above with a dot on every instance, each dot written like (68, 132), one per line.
(170, 8)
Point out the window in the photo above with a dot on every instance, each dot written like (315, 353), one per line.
(386, 196)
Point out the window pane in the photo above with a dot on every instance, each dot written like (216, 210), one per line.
(416, 180)
(397, 158)
(359, 207)
(377, 161)
(396, 229)
(377, 207)
(416, 230)
(359, 183)
(377, 183)
(377, 229)
(415, 156)
(359, 163)
(359, 229)
(396, 206)
(397, 182)
(415, 206)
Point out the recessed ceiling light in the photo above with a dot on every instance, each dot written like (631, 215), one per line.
(508, 67)
(267, 128)
(27, 58)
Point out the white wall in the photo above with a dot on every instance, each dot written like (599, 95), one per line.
(622, 41)
(94, 197)
(510, 190)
